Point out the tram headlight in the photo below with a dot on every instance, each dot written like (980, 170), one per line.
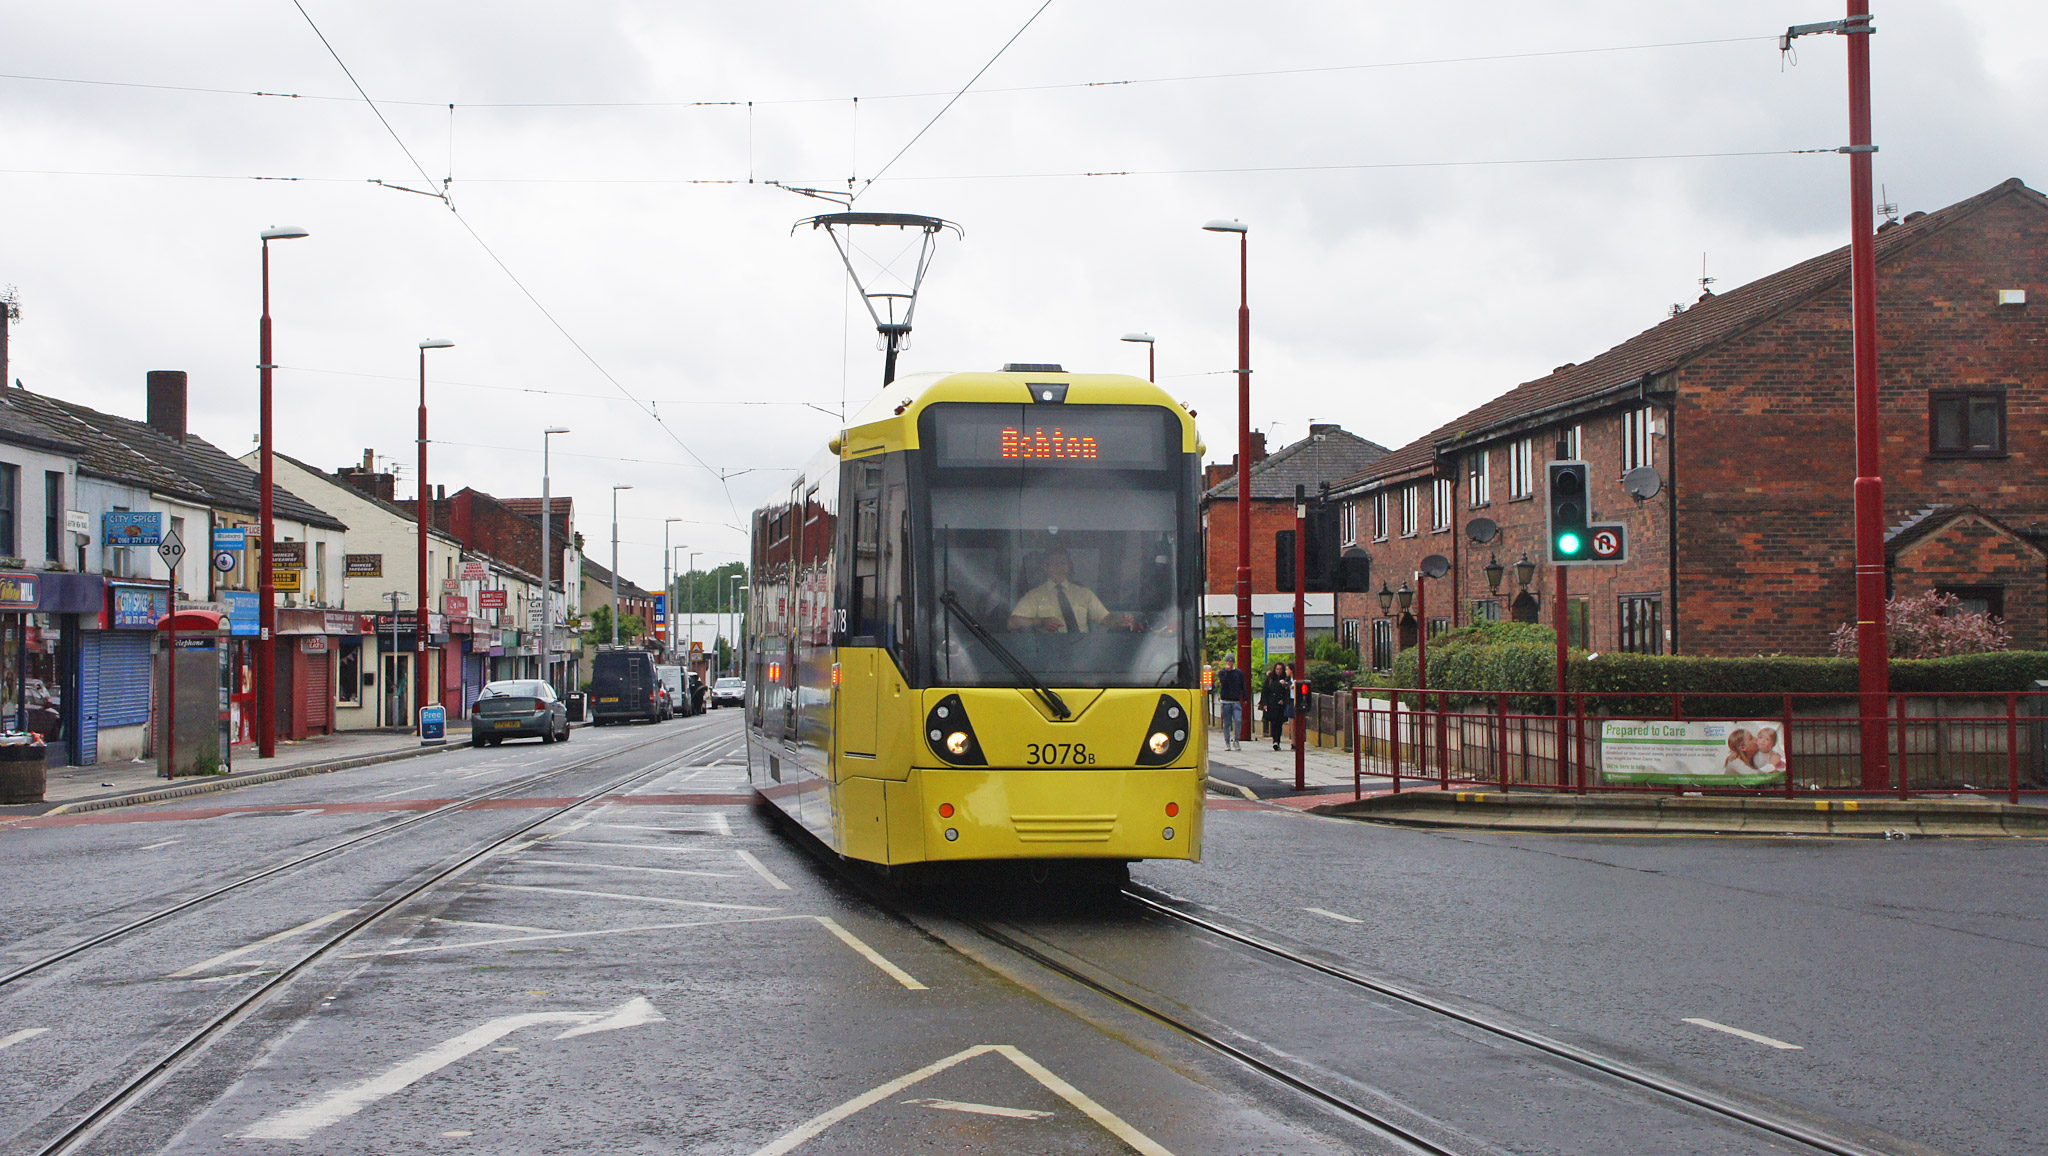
(949, 733)
(958, 742)
(1158, 743)
(1167, 737)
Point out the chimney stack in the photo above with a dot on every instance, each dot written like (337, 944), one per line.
(166, 412)
(369, 460)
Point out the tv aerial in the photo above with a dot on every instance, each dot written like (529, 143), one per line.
(883, 303)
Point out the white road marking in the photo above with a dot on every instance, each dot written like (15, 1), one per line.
(301, 1122)
(406, 791)
(1108, 1120)
(165, 843)
(568, 935)
(875, 957)
(632, 898)
(13, 1038)
(1331, 915)
(981, 1109)
(1753, 1037)
(237, 953)
(666, 850)
(624, 867)
(714, 819)
(494, 926)
(763, 872)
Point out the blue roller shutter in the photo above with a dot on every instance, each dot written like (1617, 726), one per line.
(123, 678)
(88, 698)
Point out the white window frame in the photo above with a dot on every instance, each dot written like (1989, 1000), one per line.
(1573, 441)
(1637, 447)
(1522, 468)
(1443, 492)
(1478, 476)
(1379, 516)
(1411, 497)
(1350, 523)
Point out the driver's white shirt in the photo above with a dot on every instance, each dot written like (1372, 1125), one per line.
(1044, 602)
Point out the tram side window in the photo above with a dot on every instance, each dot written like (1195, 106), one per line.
(867, 570)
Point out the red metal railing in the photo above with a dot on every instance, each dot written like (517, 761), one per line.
(1949, 744)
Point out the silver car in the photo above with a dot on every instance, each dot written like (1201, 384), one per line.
(518, 708)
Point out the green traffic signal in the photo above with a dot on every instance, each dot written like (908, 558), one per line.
(1568, 544)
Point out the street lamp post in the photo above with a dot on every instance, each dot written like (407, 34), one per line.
(1244, 452)
(1151, 348)
(547, 519)
(266, 596)
(421, 673)
(668, 629)
(693, 605)
(615, 562)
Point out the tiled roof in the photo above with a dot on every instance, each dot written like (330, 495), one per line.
(1671, 343)
(1327, 454)
(18, 427)
(592, 572)
(130, 451)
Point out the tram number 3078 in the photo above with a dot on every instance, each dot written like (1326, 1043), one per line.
(1057, 754)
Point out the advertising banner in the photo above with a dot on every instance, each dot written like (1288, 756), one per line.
(139, 607)
(454, 606)
(132, 528)
(289, 556)
(475, 572)
(1279, 634)
(243, 612)
(1695, 752)
(287, 581)
(230, 538)
(363, 565)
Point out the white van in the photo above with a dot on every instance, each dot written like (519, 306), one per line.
(672, 681)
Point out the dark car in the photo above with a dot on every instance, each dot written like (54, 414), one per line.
(623, 685)
(518, 708)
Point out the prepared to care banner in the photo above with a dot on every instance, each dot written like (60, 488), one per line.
(1694, 752)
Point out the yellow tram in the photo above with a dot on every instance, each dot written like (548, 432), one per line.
(973, 626)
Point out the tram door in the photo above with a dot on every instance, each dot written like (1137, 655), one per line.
(859, 628)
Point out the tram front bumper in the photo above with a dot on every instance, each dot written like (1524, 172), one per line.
(1059, 814)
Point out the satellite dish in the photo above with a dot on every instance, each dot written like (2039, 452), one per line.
(1435, 566)
(1642, 483)
(1482, 530)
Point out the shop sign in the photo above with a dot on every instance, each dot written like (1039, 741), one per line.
(475, 572)
(77, 522)
(140, 607)
(339, 622)
(363, 565)
(454, 606)
(451, 585)
(230, 538)
(288, 556)
(17, 592)
(244, 612)
(491, 600)
(1694, 752)
(132, 528)
(313, 644)
(286, 581)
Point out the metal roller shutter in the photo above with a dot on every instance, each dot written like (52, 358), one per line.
(88, 699)
(124, 678)
(319, 692)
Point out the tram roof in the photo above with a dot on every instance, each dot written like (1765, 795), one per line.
(889, 419)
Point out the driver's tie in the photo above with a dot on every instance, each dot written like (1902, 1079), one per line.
(1067, 609)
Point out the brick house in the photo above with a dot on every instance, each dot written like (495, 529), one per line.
(1328, 455)
(1742, 405)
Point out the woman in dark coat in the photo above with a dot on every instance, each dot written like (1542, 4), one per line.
(1276, 701)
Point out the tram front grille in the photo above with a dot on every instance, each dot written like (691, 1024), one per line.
(1063, 828)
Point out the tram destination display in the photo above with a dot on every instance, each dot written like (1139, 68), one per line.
(1097, 437)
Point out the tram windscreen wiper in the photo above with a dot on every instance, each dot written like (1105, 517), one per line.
(1046, 694)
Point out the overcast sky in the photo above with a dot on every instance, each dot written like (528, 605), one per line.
(1425, 230)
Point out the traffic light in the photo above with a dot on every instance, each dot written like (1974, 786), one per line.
(1568, 512)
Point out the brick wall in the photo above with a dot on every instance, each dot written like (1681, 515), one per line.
(1971, 551)
(1220, 543)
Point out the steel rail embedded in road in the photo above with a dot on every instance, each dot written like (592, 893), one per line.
(1616, 1069)
(135, 925)
(141, 1084)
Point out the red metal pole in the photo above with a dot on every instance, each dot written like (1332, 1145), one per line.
(1421, 635)
(1560, 620)
(1904, 792)
(266, 589)
(1394, 739)
(1785, 733)
(1357, 754)
(1500, 731)
(1873, 675)
(1300, 641)
(1244, 472)
(2012, 749)
(423, 685)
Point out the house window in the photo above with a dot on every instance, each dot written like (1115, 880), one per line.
(1383, 644)
(1522, 468)
(1411, 494)
(1486, 610)
(1641, 623)
(1379, 516)
(10, 506)
(1575, 629)
(1568, 444)
(1438, 626)
(1966, 423)
(1476, 475)
(1441, 496)
(1977, 599)
(320, 573)
(1350, 517)
(1350, 635)
(53, 516)
(1635, 438)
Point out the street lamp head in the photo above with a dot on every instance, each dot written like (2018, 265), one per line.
(1222, 226)
(282, 233)
(1525, 571)
(555, 429)
(1144, 337)
(622, 487)
(1386, 600)
(1405, 596)
(437, 343)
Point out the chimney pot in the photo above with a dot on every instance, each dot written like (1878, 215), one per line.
(166, 404)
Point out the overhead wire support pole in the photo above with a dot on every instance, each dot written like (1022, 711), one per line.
(1873, 673)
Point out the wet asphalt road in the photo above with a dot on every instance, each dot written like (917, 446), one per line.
(669, 971)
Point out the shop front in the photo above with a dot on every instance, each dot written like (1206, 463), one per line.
(244, 624)
(40, 620)
(113, 674)
(311, 647)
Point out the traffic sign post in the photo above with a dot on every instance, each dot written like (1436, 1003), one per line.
(224, 560)
(1606, 544)
(171, 550)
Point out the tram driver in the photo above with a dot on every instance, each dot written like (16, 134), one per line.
(1060, 605)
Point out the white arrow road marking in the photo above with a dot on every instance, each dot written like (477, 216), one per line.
(223, 957)
(301, 1122)
(624, 867)
(666, 850)
(496, 926)
(13, 1038)
(1331, 915)
(634, 898)
(165, 843)
(375, 953)
(1108, 1120)
(1767, 1041)
(763, 872)
(981, 1109)
(875, 957)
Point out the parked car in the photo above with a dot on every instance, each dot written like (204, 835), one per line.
(518, 708)
(675, 685)
(729, 692)
(623, 686)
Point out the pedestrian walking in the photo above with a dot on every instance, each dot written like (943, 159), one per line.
(1233, 691)
(1276, 700)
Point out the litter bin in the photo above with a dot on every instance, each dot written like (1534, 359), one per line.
(575, 704)
(22, 775)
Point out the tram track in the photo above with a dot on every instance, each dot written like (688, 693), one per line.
(140, 923)
(137, 1086)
